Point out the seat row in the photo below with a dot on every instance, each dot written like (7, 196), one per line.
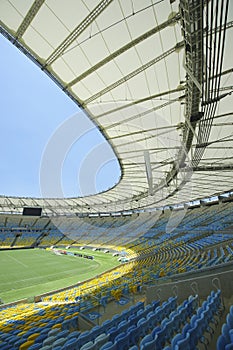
(225, 340)
(185, 332)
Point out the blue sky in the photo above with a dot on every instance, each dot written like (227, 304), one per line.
(32, 109)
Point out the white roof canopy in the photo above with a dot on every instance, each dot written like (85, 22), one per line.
(154, 76)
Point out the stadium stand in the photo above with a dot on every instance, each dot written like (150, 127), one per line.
(155, 78)
(158, 258)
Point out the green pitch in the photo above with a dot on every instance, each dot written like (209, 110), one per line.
(26, 273)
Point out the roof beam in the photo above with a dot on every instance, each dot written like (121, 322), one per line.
(133, 73)
(77, 31)
(140, 132)
(143, 114)
(213, 167)
(125, 48)
(141, 100)
(32, 12)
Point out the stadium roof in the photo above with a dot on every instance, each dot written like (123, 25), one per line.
(156, 79)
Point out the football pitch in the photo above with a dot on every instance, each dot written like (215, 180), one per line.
(26, 273)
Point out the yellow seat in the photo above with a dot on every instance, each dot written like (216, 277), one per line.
(33, 336)
(57, 325)
(26, 345)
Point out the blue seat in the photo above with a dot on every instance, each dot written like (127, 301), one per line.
(83, 338)
(46, 347)
(101, 339)
(231, 310)
(89, 346)
(13, 339)
(36, 346)
(19, 342)
(59, 342)
(45, 330)
(229, 346)
(70, 344)
(65, 324)
(160, 338)
(178, 337)
(170, 326)
(41, 338)
(134, 335)
(176, 322)
(221, 342)
(155, 331)
(122, 341)
(183, 344)
(150, 345)
(152, 320)
(142, 326)
(49, 340)
(62, 334)
(117, 319)
(146, 339)
(231, 335)
(95, 331)
(123, 326)
(183, 313)
(159, 313)
(113, 333)
(225, 331)
(193, 336)
(109, 346)
(106, 325)
(74, 334)
(230, 320)
(53, 331)
(5, 346)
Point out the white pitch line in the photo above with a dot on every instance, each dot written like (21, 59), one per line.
(19, 262)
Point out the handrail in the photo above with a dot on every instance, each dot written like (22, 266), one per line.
(175, 290)
(217, 284)
(194, 287)
(158, 291)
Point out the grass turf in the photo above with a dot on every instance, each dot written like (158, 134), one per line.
(26, 273)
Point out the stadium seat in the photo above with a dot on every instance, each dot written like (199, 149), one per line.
(226, 332)
(183, 344)
(19, 342)
(146, 339)
(49, 340)
(122, 341)
(59, 342)
(33, 336)
(149, 345)
(221, 342)
(26, 345)
(35, 347)
(109, 346)
(101, 339)
(46, 347)
(41, 338)
(70, 344)
(89, 346)
(5, 346)
(134, 335)
(62, 334)
(53, 332)
(230, 320)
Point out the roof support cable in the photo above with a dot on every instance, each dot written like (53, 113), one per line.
(214, 62)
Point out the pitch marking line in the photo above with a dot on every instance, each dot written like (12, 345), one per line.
(19, 262)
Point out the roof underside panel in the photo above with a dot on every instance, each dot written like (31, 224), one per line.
(148, 73)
